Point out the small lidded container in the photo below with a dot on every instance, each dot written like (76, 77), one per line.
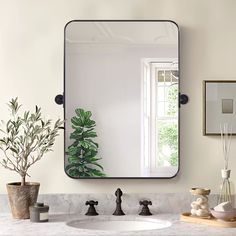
(200, 205)
(39, 212)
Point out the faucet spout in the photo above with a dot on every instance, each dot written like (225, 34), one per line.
(118, 211)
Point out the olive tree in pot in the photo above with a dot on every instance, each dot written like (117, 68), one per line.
(24, 139)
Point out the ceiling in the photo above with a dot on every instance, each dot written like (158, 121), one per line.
(120, 32)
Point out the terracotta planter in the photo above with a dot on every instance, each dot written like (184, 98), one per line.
(21, 197)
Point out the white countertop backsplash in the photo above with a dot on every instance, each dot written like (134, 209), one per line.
(67, 207)
(75, 203)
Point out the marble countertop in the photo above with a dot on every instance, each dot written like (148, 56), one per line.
(57, 226)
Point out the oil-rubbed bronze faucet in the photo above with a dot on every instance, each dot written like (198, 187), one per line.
(118, 211)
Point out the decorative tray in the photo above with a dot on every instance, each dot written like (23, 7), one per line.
(187, 217)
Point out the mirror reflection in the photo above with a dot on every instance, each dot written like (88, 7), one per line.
(121, 99)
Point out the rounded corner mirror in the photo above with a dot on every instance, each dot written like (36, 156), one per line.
(121, 99)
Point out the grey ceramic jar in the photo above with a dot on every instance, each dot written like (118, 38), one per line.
(39, 212)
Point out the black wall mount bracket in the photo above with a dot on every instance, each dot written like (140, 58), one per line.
(59, 99)
(183, 99)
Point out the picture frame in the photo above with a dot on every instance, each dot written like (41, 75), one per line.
(219, 105)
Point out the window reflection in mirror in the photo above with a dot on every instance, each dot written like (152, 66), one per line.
(160, 117)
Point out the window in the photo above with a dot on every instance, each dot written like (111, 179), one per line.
(159, 118)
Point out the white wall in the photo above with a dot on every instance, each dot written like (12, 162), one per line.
(90, 84)
(31, 67)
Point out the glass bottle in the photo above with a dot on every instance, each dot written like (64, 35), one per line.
(200, 206)
(225, 188)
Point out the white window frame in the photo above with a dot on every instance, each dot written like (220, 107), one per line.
(149, 166)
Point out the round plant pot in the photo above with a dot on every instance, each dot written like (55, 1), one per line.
(21, 197)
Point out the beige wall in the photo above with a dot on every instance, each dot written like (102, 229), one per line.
(31, 67)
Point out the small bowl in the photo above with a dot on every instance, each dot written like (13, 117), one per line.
(224, 215)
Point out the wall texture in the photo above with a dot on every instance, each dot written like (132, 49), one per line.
(31, 67)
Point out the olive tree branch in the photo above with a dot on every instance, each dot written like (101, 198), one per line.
(24, 139)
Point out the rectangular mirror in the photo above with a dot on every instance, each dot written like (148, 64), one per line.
(121, 99)
(219, 105)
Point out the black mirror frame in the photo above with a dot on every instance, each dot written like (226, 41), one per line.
(61, 99)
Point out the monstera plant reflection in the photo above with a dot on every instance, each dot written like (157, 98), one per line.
(82, 153)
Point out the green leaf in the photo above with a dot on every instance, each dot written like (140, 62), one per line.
(78, 129)
(90, 153)
(14, 106)
(88, 114)
(75, 136)
(96, 172)
(96, 164)
(42, 123)
(73, 159)
(94, 159)
(84, 144)
(72, 150)
(2, 141)
(90, 134)
(81, 114)
(14, 150)
(76, 121)
(90, 140)
(90, 124)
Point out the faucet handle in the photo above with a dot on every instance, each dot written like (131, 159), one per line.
(91, 210)
(91, 202)
(145, 210)
(145, 203)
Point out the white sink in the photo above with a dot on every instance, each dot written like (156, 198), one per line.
(120, 223)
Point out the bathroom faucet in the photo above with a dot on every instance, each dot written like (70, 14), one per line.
(118, 211)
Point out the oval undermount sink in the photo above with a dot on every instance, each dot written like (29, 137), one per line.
(119, 224)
